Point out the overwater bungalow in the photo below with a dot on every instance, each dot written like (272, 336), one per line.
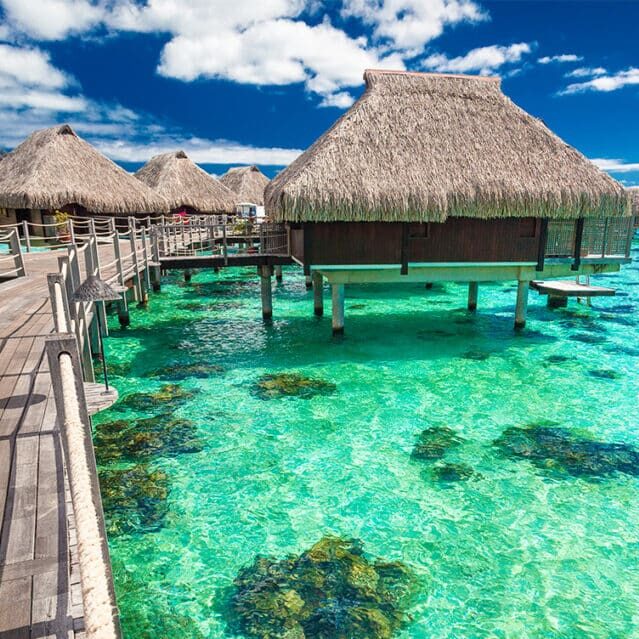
(56, 170)
(185, 186)
(443, 178)
(248, 183)
(634, 197)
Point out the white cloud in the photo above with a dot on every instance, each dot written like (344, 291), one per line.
(53, 19)
(615, 165)
(410, 24)
(485, 60)
(564, 57)
(586, 72)
(341, 100)
(605, 83)
(31, 67)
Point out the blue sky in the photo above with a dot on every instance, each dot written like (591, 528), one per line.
(256, 81)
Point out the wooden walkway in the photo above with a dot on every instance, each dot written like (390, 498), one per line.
(40, 593)
(570, 288)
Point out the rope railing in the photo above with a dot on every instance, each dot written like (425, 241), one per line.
(101, 619)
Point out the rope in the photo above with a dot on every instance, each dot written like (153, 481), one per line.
(98, 611)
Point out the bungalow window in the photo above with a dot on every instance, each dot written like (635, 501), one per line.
(419, 231)
(527, 227)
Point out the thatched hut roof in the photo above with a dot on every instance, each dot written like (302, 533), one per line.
(421, 147)
(183, 183)
(248, 182)
(54, 167)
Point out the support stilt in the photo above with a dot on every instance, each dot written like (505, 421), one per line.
(309, 282)
(267, 294)
(338, 309)
(187, 275)
(428, 285)
(522, 303)
(473, 290)
(318, 294)
(123, 311)
(155, 279)
(557, 301)
(278, 272)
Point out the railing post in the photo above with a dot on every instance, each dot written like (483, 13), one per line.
(225, 247)
(71, 230)
(25, 232)
(138, 279)
(16, 250)
(101, 616)
(145, 259)
(123, 308)
(59, 303)
(155, 256)
(579, 233)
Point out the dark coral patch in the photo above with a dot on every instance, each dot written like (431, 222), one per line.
(434, 442)
(143, 438)
(557, 359)
(587, 338)
(134, 499)
(166, 398)
(450, 473)
(479, 356)
(556, 449)
(330, 591)
(604, 373)
(292, 385)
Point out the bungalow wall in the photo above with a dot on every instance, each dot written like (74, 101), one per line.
(456, 240)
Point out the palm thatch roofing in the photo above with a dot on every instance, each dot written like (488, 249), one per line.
(183, 183)
(421, 147)
(55, 167)
(248, 182)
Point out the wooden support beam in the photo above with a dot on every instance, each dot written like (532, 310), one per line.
(266, 293)
(579, 233)
(187, 274)
(473, 291)
(318, 294)
(308, 280)
(521, 308)
(543, 240)
(278, 272)
(338, 308)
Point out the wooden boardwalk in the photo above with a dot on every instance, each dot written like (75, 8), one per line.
(40, 592)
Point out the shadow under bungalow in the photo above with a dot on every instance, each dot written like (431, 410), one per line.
(443, 178)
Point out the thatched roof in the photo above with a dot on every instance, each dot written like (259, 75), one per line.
(54, 167)
(183, 183)
(248, 182)
(421, 147)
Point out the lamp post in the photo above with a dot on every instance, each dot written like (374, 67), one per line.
(93, 289)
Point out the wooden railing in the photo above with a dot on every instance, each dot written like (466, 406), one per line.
(11, 261)
(608, 238)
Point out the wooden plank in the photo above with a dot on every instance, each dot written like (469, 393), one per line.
(15, 608)
(570, 288)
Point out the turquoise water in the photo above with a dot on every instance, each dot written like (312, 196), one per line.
(524, 547)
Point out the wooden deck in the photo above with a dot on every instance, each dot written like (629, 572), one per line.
(40, 593)
(570, 288)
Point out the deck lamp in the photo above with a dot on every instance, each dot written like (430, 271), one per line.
(93, 289)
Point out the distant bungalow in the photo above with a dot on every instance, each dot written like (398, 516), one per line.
(56, 170)
(248, 183)
(185, 186)
(443, 178)
(634, 197)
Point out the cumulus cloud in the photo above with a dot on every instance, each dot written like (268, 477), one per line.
(485, 60)
(586, 72)
(410, 24)
(564, 57)
(605, 83)
(53, 19)
(616, 165)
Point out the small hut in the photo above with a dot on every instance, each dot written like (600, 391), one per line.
(634, 198)
(443, 178)
(56, 170)
(248, 182)
(185, 186)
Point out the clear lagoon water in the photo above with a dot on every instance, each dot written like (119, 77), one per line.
(504, 541)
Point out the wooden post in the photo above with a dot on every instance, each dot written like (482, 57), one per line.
(267, 294)
(16, 250)
(579, 233)
(100, 307)
(308, 280)
(278, 272)
(318, 294)
(59, 303)
(543, 241)
(145, 261)
(522, 303)
(138, 279)
(123, 307)
(473, 290)
(428, 286)
(557, 301)
(25, 232)
(187, 274)
(338, 308)
(155, 256)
